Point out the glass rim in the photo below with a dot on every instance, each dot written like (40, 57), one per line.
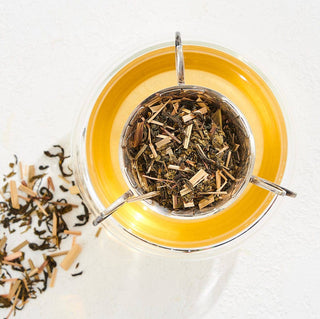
(78, 146)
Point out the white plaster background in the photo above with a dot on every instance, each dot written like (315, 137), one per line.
(50, 54)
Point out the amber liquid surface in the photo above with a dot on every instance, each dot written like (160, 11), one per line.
(154, 71)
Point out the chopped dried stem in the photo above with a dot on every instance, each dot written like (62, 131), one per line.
(163, 142)
(21, 170)
(228, 159)
(59, 253)
(223, 149)
(32, 267)
(53, 277)
(27, 190)
(158, 179)
(153, 150)
(14, 289)
(228, 174)
(54, 228)
(25, 198)
(74, 240)
(98, 232)
(149, 169)
(188, 135)
(171, 135)
(72, 232)
(42, 266)
(186, 110)
(202, 111)
(236, 146)
(169, 151)
(160, 109)
(3, 242)
(218, 180)
(222, 186)
(64, 179)
(33, 272)
(156, 123)
(224, 178)
(156, 99)
(175, 108)
(14, 195)
(31, 174)
(141, 151)
(20, 246)
(13, 256)
(198, 178)
(155, 108)
(25, 284)
(178, 168)
(11, 263)
(188, 204)
(206, 201)
(162, 136)
(74, 190)
(174, 201)
(50, 183)
(188, 117)
(71, 257)
(41, 207)
(213, 193)
(9, 279)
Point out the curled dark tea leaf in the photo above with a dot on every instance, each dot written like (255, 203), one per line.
(85, 217)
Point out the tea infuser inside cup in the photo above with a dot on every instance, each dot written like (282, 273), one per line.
(244, 176)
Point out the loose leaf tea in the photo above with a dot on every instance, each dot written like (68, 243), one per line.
(184, 150)
(31, 205)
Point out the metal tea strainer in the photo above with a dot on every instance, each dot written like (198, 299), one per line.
(244, 134)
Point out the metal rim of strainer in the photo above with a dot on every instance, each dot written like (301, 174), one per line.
(192, 213)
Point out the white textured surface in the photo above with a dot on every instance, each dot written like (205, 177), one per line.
(50, 53)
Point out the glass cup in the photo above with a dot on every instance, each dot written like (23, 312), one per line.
(244, 133)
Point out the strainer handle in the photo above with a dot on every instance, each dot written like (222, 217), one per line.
(179, 59)
(112, 208)
(272, 187)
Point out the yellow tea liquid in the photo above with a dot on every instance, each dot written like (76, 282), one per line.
(205, 67)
